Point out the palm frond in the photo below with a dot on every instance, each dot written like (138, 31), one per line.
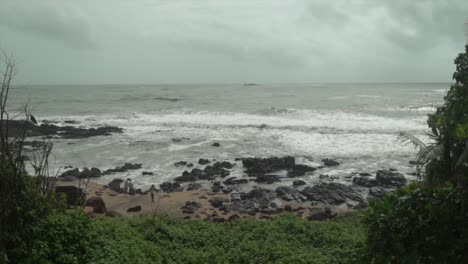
(407, 138)
(431, 152)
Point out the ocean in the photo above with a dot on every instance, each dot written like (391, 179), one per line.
(356, 124)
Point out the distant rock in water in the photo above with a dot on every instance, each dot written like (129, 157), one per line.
(390, 178)
(330, 162)
(268, 165)
(216, 144)
(17, 127)
(126, 167)
(166, 99)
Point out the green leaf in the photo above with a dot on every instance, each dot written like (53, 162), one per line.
(462, 131)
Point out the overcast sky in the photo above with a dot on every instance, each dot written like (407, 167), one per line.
(180, 41)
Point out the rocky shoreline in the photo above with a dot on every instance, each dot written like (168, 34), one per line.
(229, 198)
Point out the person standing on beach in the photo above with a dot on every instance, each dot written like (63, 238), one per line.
(130, 187)
(125, 188)
(152, 190)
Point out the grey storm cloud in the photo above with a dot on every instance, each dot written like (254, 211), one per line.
(233, 40)
(46, 20)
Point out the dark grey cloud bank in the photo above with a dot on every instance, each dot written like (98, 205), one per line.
(64, 41)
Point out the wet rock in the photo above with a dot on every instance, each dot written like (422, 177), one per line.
(126, 167)
(267, 165)
(190, 165)
(235, 181)
(330, 162)
(390, 179)
(243, 206)
(74, 172)
(211, 172)
(180, 139)
(324, 176)
(233, 217)
(134, 209)
(365, 182)
(76, 132)
(321, 214)
(360, 206)
(289, 194)
(144, 173)
(376, 193)
(364, 174)
(191, 205)
(115, 185)
(216, 202)
(297, 183)
(267, 178)
(112, 213)
(98, 205)
(90, 173)
(180, 163)
(300, 170)
(193, 186)
(73, 194)
(261, 196)
(203, 161)
(413, 162)
(216, 144)
(170, 187)
(332, 193)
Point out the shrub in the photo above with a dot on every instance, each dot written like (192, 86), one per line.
(417, 225)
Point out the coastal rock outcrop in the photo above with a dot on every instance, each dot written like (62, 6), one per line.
(365, 182)
(289, 194)
(330, 162)
(267, 165)
(332, 193)
(126, 167)
(390, 179)
(170, 187)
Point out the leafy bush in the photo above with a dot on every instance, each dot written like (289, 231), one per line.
(417, 225)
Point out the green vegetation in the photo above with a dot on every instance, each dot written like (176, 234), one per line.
(75, 238)
(417, 225)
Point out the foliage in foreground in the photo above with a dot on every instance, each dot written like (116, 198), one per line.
(417, 225)
(74, 238)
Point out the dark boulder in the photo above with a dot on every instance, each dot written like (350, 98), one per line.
(216, 144)
(180, 139)
(115, 185)
(390, 179)
(300, 170)
(267, 178)
(76, 132)
(289, 194)
(73, 194)
(203, 161)
(193, 186)
(298, 183)
(243, 206)
(321, 214)
(268, 165)
(191, 205)
(216, 202)
(74, 172)
(112, 213)
(98, 205)
(260, 196)
(145, 173)
(134, 209)
(365, 182)
(364, 174)
(235, 181)
(170, 187)
(180, 163)
(332, 193)
(330, 162)
(126, 167)
(90, 173)
(376, 193)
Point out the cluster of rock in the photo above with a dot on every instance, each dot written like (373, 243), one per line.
(75, 174)
(17, 127)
